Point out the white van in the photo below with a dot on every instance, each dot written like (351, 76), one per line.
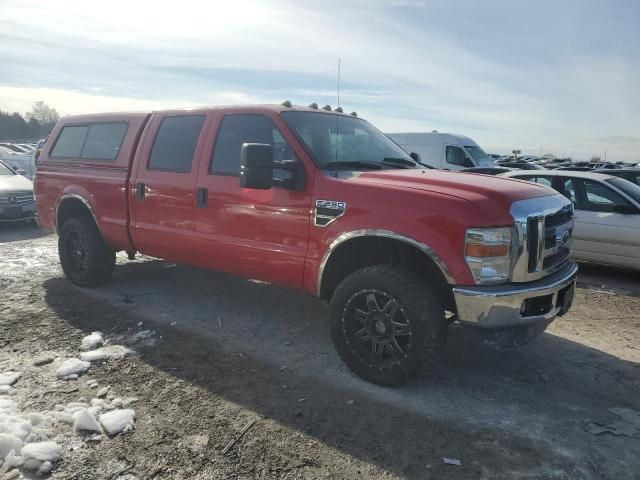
(447, 151)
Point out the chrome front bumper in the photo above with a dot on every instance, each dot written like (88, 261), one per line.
(517, 305)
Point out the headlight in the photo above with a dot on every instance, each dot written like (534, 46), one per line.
(488, 254)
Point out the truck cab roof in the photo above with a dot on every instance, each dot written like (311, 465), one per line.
(260, 108)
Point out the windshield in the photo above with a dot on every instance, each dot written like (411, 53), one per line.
(333, 138)
(627, 187)
(479, 155)
(4, 170)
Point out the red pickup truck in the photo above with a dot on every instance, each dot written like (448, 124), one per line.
(317, 200)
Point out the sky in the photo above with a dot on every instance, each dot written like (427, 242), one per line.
(558, 76)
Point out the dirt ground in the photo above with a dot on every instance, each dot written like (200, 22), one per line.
(226, 351)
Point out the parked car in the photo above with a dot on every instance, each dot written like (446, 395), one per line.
(446, 151)
(631, 174)
(575, 168)
(16, 195)
(316, 200)
(38, 149)
(604, 166)
(556, 162)
(520, 165)
(607, 218)
(486, 170)
(27, 146)
(23, 163)
(14, 148)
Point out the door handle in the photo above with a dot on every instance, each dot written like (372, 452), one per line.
(202, 195)
(140, 191)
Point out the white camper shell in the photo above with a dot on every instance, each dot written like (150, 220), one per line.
(446, 151)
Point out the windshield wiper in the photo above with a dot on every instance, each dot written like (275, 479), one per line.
(356, 164)
(406, 161)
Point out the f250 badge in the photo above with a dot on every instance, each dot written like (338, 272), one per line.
(327, 211)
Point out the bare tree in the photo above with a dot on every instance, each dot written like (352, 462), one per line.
(43, 114)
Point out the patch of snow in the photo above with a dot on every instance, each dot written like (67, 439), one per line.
(147, 338)
(35, 454)
(10, 377)
(9, 443)
(11, 475)
(45, 467)
(92, 383)
(118, 421)
(103, 392)
(63, 417)
(4, 389)
(92, 341)
(72, 366)
(35, 418)
(86, 421)
(106, 353)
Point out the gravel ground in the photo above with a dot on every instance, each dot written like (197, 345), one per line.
(224, 352)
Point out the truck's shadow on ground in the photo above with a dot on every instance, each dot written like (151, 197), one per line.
(18, 231)
(265, 348)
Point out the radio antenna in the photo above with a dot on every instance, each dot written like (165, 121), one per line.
(338, 82)
(337, 124)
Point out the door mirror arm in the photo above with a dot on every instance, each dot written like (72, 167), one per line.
(297, 179)
(257, 169)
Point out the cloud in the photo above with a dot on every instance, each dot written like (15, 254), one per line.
(505, 75)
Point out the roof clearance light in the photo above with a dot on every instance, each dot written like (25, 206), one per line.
(353, 114)
(314, 105)
(339, 110)
(286, 103)
(327, 107)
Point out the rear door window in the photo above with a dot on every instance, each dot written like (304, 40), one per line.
(175, 143)
(70, 141)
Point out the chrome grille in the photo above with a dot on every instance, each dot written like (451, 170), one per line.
(16, 198)
(544, 229)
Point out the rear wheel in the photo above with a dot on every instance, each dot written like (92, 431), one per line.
(86, 259)
(387, 324)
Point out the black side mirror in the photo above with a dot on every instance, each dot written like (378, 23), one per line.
(625, 209)
(415, 157)
(256, 166)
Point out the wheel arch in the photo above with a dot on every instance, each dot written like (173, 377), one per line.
(73, 205)
(356, 249)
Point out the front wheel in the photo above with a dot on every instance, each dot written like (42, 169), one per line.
(387, 324)
(86, 259)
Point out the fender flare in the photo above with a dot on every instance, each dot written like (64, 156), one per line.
(83, 200)
(340, 239)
